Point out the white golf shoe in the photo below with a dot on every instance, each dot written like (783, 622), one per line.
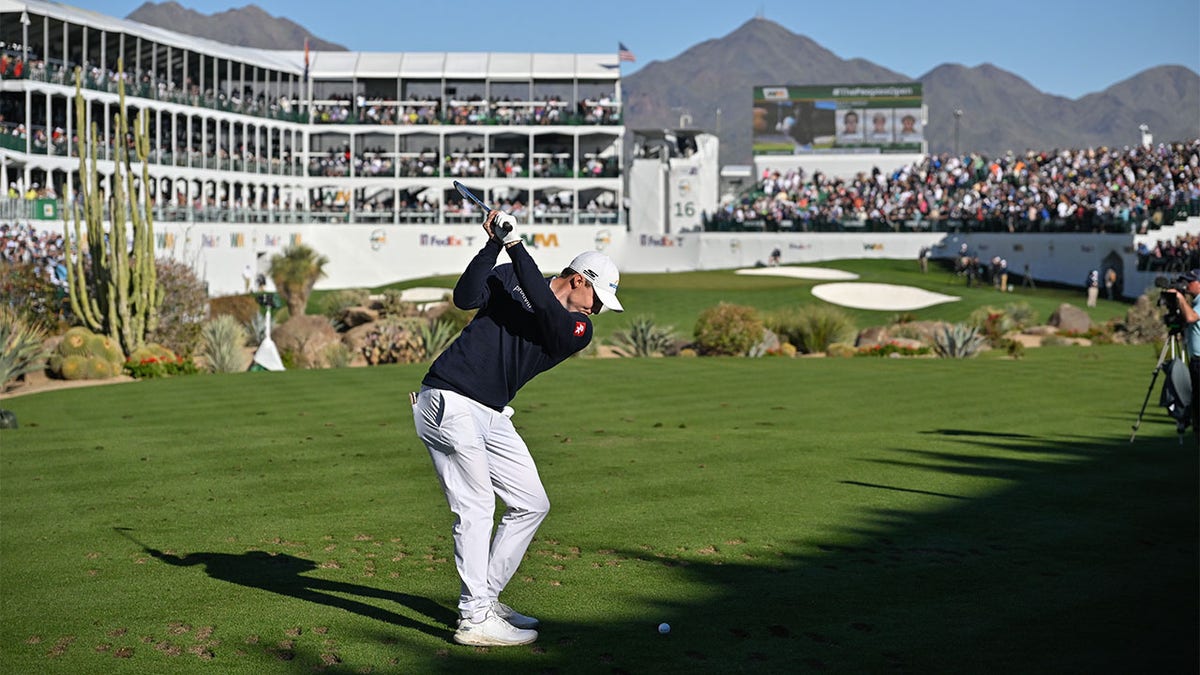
(514, 617)
(493, 631)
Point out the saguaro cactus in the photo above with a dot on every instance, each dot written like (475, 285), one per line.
(117, 294)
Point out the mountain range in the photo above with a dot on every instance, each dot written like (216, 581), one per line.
(247, 26)
(711, 83)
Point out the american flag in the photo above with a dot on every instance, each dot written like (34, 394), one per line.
(623, 53)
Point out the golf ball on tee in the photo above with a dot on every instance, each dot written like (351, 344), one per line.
(664, 628)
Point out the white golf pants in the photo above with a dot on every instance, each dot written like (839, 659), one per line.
(478, 456)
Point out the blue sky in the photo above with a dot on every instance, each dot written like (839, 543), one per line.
(1070, 47)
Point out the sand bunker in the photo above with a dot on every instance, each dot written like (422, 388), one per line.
(879, 296)
(822, 273)
(424, 294)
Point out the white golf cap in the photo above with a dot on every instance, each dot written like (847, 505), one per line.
(602, 272)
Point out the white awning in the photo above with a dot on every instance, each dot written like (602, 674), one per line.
(514, 66)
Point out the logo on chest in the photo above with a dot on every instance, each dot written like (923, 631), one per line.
(580, 328)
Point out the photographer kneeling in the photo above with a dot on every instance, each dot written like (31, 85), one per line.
(1191, 317)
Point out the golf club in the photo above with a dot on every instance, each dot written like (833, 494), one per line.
(462, 190)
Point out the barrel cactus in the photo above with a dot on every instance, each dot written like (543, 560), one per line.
(75, 341)
(106, 348)
(83, 355)
(99, 368)
(74, 367)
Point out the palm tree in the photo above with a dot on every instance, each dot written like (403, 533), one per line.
(295, 272)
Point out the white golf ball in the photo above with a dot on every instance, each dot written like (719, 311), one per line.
(664, 628)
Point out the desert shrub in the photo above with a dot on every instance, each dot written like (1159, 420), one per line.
(393, 340)
(840, 350)
(21, 350)
(391, 304)
(812, 328)
(1015, 348)
(339, 355)
(728, 330)
(688, 353)
(904, 330)
(35, 300)
(435, 336)
(155, 360)
(644, 338)
(1020, 314)
(890, 348)
(959, 341)
(241, 307)
(787, 349)
(992, 324)
(458, 318)
(183, 310)
(222, 342)
(290, 359)
(334, 303)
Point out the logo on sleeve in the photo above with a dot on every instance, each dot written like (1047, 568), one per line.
(580, 328)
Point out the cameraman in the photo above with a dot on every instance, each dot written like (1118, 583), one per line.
(1191, 317)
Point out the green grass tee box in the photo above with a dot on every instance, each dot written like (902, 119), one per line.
(783, 515)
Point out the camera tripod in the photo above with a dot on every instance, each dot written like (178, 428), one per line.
(1173, 346)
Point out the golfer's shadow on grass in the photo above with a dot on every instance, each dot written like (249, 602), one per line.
(284, 574)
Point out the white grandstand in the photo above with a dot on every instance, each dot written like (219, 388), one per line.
(260, 136)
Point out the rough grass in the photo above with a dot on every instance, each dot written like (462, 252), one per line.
(847, 515)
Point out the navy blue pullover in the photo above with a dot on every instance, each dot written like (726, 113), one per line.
(520, 330)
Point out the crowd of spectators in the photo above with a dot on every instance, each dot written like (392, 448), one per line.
(1176, 255)
(1092, 189)
(42, 250)
(337, 108)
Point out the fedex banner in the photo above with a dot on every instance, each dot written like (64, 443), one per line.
(841, 118)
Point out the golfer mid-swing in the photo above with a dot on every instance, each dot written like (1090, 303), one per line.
(525, 325)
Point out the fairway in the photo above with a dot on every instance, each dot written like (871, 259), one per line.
(783, 515)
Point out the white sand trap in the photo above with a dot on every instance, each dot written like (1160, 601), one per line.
(879, 296)
(424, 294)
(822, 273)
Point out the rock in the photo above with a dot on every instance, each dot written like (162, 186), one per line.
(925, 331)
(1040, 330)
(357, 316)
(355, 336)
(307, 337)
(906, 343)
(769, 343)
(870, 337)
(1070, 319)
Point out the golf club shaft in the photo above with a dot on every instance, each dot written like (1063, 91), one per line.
(462, 190)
